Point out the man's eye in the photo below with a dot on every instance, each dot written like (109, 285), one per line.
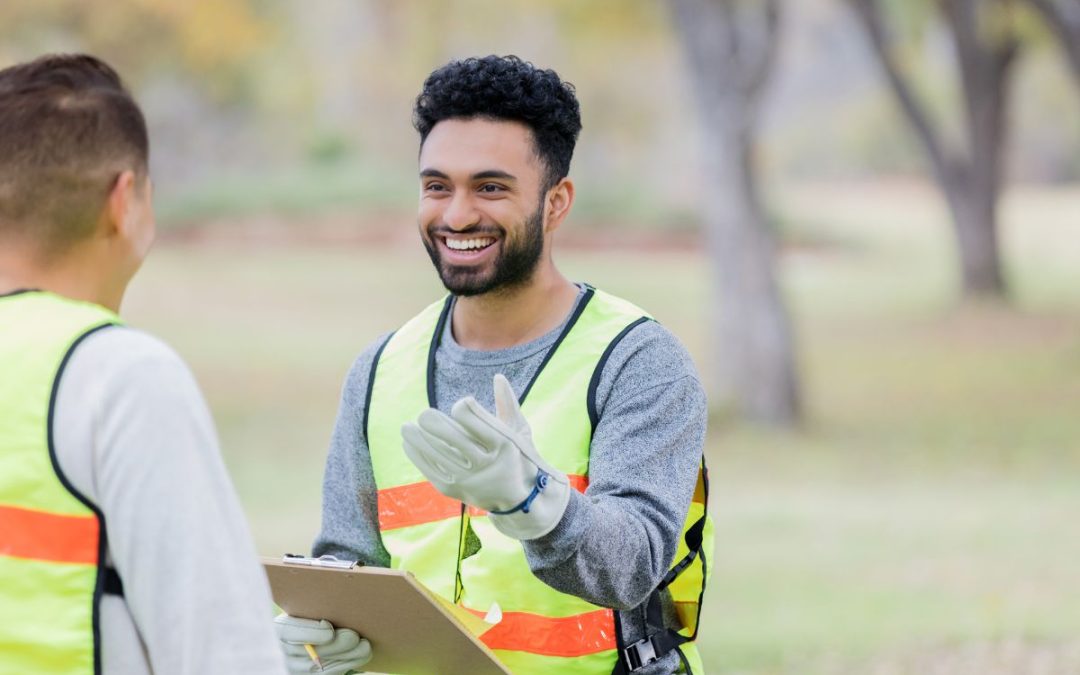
(491, 188)
(434, 187)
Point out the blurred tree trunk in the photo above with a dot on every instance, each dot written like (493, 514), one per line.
(986, 47)
(1063, 17)
(731, 49)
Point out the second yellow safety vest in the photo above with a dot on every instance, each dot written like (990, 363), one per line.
(457, 552)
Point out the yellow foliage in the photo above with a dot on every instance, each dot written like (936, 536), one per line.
(211, 34)
(210, 39)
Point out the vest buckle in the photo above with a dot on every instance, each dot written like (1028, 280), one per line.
(641, 653)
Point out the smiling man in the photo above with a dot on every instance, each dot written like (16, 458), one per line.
(528, 447)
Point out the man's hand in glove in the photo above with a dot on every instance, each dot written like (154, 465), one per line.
(340, 650)
(489, 461)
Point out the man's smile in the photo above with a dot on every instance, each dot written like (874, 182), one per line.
(470, 244)
(466, 250)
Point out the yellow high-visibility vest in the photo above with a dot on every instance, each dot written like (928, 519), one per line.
(52, 539)
(456, 551)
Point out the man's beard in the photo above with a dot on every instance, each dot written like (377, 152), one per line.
(512, 268)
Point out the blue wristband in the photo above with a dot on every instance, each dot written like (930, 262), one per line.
(541, 483)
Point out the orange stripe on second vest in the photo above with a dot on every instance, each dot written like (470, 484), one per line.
(36, 535)
(568, 636)
(419, 503)
(414, 504)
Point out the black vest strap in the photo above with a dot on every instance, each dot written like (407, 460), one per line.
(648, 650)
(112, 584)
(693, 543)
(660, 643)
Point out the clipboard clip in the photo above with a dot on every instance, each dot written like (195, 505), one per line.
(322, 561)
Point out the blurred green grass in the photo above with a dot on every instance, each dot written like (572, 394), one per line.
(930, 502)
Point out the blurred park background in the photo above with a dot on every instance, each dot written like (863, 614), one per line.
(911, 505)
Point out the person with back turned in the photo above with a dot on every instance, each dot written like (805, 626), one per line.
(123, 548)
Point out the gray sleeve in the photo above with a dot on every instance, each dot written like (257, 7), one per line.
(133, 433)
(350, 521)
(618, 539)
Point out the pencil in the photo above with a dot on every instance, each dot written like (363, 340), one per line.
(314, 655)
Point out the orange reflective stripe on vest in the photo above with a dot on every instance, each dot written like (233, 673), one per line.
(414, 504)
(37, 535)
(576, 635)
(419, 503)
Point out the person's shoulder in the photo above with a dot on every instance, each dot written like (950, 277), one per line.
(366, 359)
(125, 363)
(652, 346)
(356, 380)
(120, 388)
(648, 357)
(123, 348)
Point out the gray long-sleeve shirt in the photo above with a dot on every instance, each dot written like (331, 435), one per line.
(615, 541)
(133, 435)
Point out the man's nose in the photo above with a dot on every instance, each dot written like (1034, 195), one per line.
(461, 213)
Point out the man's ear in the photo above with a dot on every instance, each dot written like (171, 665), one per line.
(557, 205)
(119, 204)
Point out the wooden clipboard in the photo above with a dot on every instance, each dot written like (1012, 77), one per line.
(411, 630)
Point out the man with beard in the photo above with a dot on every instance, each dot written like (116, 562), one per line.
(574, 515)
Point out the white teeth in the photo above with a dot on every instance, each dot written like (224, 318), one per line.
(468, 244)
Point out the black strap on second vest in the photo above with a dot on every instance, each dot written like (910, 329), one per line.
(656, 645)
(652, 647)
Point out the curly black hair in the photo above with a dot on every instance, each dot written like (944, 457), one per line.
(506, 88)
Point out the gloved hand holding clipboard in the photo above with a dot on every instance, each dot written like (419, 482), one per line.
(412, 631)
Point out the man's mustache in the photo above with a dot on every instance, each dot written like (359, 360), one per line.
(477, 230)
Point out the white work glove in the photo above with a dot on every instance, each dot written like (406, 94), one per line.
(489, 461)
(340, 650)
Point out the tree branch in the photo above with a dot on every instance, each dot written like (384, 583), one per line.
(729, 24)
(986, 45)
(1064, 21)
(869, 13)
(761, 64)
(707, 49)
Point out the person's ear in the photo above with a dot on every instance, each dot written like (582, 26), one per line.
(557, 205)
(119, 205)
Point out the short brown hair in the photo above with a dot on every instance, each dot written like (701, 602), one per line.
(68, 129)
